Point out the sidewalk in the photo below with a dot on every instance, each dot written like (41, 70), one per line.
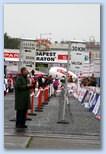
(16, 142)
(50, 141)
(65, 142)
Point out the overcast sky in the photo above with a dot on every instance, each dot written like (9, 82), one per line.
(54, 21)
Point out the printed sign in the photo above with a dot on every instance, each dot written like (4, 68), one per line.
(11, 55)
(51, 56)
(79, 56)
(27, 54)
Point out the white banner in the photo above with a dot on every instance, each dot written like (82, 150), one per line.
(27, 54)
(11, 54)
(51, 56)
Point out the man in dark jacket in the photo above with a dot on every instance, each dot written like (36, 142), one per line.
(22, 98)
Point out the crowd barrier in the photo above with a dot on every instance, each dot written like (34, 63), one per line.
(31, 111)
(42, 98)
(89, 97)
(46, 95)
(38, 104)
(51, 90)
(32, 102)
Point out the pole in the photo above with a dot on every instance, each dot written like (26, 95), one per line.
(66, 89)
(20, 56)
(66, 83)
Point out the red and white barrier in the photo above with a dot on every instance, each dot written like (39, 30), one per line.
(38, 100)
(46, 95)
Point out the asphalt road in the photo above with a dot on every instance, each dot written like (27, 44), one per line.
(82, 131)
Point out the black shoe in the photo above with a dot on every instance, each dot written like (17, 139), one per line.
(25, 126)
(21, 126)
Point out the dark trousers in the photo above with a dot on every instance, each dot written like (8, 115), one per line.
(20, 118)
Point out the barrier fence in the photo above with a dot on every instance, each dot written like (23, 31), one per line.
(89, 97)
(40, 99)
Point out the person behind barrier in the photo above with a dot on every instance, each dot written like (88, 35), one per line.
(40, 81)
(55, 85)
(93, 80)
(49, 80)
(32, 81)
(22, 98)
(32, 73)
(10, 83)
(62, 82)
(46, 81)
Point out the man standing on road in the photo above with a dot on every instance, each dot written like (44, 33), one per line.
(22, 98)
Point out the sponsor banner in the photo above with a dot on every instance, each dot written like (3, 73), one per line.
(11, 55)
(52, 56)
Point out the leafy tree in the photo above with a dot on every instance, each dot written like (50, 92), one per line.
(11, 43)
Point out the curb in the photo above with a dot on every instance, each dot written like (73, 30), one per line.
(15, 142)
(28, 142)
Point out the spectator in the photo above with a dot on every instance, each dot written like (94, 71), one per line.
(10, 83)
(22, 98)
(50, 80)
(55, 85)
(93, 80)
(33, 73)
(40, 82)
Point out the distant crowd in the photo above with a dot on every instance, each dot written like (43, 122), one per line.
(89, 81)
(41, 81)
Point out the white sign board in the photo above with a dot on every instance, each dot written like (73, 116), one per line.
(51, 56)
(79, 56)
(27, 54)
